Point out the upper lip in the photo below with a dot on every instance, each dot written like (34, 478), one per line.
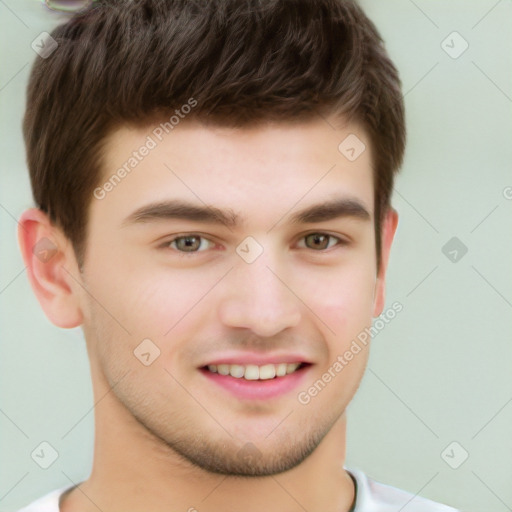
(245, 358)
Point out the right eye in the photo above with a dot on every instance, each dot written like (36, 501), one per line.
(188, 243)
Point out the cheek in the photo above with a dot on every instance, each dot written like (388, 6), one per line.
(143, 300)
(344, 304)
(169, 302)
(343, 299)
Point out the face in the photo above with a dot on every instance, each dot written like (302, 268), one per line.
(247, 251)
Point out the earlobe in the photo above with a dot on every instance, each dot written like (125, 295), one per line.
(49, 259)
(388, 232)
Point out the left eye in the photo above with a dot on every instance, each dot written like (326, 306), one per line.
(321, 241)
(196, 243)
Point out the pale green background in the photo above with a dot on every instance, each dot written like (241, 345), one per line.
(440, 372)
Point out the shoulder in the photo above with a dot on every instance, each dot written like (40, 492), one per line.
(47, 503)
(372, 496)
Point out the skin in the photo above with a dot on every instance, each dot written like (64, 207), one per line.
(166, 438)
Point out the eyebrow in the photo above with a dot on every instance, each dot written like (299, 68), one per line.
(347, 207)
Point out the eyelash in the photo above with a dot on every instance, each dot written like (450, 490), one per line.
(341, 242)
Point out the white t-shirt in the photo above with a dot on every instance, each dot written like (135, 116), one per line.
(371, 496)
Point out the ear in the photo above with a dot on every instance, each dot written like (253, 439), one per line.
(52, 268)
(388, 232)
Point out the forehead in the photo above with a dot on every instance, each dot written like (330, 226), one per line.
(266, 168)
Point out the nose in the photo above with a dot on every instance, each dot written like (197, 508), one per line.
(259, 296)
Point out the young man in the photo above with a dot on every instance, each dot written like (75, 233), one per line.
(213, 181)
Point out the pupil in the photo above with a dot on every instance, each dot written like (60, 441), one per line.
(318, 239)
(190, 241)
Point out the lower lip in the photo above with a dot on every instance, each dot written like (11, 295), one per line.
(258, 389)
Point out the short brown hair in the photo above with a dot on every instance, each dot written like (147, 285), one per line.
(131, 62)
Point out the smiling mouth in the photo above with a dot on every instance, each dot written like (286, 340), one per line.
(252, 372)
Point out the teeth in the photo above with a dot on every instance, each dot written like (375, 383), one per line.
(254, 372)
(267, 372)
(281, 369)
(237, 370)
(223, 369)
